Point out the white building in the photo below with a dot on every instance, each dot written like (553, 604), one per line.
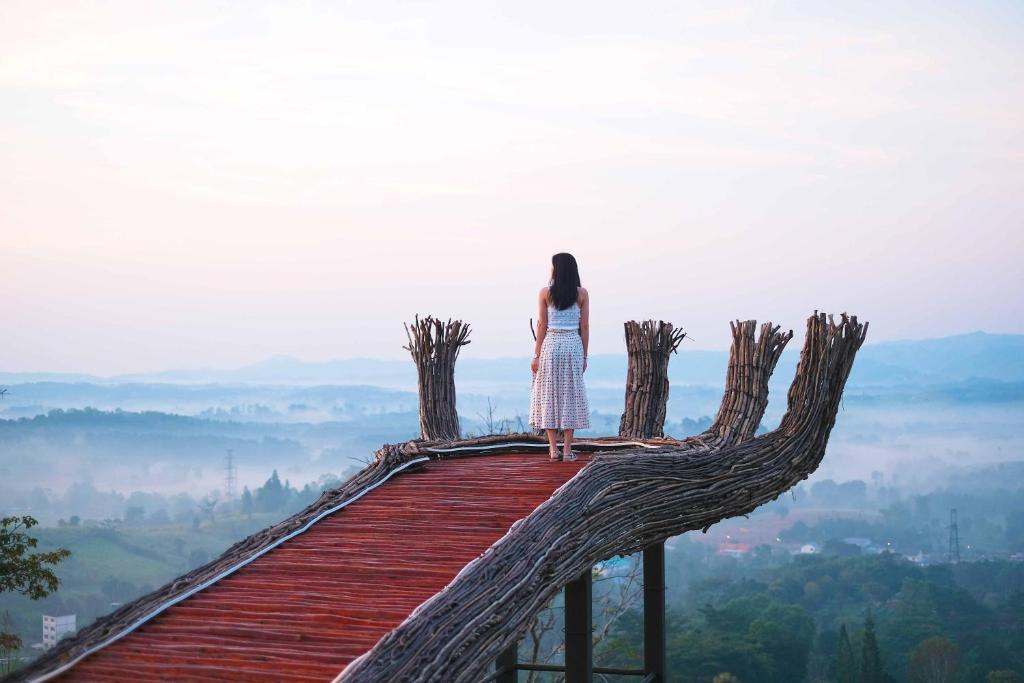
(54, 628)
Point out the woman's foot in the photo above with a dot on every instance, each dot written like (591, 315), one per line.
(553, 454)
(570, 455)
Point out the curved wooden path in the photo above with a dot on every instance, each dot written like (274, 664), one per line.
(308, 607)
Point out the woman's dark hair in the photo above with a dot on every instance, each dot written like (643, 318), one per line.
(565, 282)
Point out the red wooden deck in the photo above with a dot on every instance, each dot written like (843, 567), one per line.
(316, 602)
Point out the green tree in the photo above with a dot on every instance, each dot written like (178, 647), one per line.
(23, 571)
(1014, 533)
(915, 615)
(785, 633)
(933, 661)
(247, 503)
(272, 496)
(846, 665)
(9, 643)
(871, 658)
(698, 656)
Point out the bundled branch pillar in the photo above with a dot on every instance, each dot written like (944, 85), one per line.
(434, 347)
(751, 363)
(648, 345)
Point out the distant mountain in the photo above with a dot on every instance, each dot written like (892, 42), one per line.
(288, 370)
(977, 355)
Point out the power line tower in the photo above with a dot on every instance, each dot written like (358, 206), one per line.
(954, 538)
(230, 475)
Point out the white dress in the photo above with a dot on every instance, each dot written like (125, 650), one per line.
(558, 396)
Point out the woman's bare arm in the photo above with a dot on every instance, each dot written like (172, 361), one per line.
(542, 320)
(585, 319)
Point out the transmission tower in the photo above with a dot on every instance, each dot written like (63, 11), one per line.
(954, 538)
(230, 477)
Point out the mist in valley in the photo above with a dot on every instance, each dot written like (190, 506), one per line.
(917, 418)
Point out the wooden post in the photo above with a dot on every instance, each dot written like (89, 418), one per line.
(434, 347)
(506, 665)
(655, 664)
(579, 630)
(648, 345)
(751, 363)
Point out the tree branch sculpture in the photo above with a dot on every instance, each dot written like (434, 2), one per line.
(648, 346)
(434, 347)
(617, 505)
(751, 364)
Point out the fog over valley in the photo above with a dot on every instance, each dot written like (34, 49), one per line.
(919, 413)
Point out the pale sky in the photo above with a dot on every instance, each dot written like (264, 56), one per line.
(189, 184)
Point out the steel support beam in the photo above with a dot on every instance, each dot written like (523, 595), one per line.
(506, 665)
(579, 630)
(654, 612)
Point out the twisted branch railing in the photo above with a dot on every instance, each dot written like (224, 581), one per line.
(751, 364)
(617, 505)
(434, 347)
(694, 460)
(648, 347)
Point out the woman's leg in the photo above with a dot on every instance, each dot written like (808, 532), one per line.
(567, 443)
(552, 441)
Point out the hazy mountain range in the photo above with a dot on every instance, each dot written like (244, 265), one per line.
(977, 355)
(912, 408)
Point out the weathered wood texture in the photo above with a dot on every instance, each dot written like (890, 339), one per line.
(648, 347)
(618, 504)
(434, 347)
(751, 364)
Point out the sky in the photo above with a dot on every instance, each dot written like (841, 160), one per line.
(206, 184)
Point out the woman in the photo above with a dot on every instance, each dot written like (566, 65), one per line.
(558, 397)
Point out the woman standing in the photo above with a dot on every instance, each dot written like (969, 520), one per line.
(558, 397)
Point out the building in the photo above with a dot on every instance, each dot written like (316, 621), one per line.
(859, 541)
(734, 549)
(54, 628)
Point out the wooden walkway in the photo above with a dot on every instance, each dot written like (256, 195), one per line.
(307, 608)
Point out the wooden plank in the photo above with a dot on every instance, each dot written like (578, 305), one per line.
(306, 609)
